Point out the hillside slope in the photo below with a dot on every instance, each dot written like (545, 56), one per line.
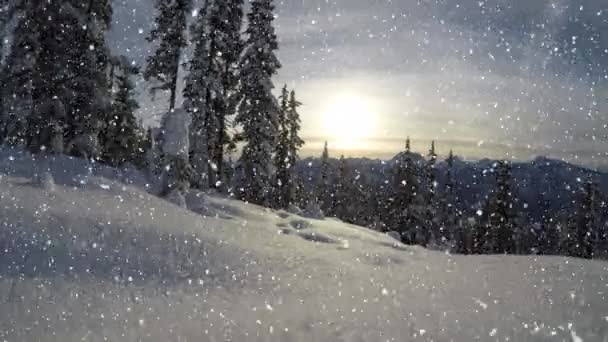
(97, 260)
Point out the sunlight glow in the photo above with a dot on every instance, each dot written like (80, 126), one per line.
(349, 120)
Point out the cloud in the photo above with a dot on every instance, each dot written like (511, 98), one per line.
(504, 72)
(523, 76)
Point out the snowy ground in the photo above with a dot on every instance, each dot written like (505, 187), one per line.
(97, 260)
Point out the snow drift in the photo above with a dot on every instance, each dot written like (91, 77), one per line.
(96, 258)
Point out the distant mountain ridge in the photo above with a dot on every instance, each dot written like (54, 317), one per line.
(542, 184)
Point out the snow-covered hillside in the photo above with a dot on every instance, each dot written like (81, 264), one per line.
(96, 259)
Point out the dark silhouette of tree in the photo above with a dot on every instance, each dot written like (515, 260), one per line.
(169, 34)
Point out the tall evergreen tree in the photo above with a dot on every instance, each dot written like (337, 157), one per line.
(258, 108)
(404, 206)
(17, 75)
(282, 160)
(169, 34)
(294, 125)
(71, 34)
(497, 232)
(585, 230)
(431, 220)
(324, 193)
(288, 145)
(88, 91)
(7, 14)
(345, 196)
(211, 85)
(122, 139)
(448, 227)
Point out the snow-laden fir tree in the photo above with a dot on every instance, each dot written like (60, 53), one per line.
(70, 34)
(282, 159)
(294, 123)
(17, 75)
(211, 86)
(288, 145)
(258, 108)
(325, 191)
(7, 13)
(404, 207)
(122, 139)
(496, 233)
(295, 142)
(169, 36)
(448, 217)
(431, 232)
(346, 195)
(585, 231)
(87, 97)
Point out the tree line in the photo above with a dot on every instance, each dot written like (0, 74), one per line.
(64, 91)
(411, 204)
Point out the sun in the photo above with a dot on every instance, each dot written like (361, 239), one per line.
(349, 120)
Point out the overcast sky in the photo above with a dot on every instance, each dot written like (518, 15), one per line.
(498, 78)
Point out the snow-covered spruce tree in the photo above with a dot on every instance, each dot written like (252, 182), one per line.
(294, 124)
(448, 219)
(404, 209)
(431, 233)
(282, 160)
(211, 84)
(71, 34)
(497, 231)
(169, 35)
(346, 194)
(324, 191)
(17, 75)
(7, 14)
(258, 108)
(584, 232)
(288, 145)
(295, 142)
(87, 91)
(122, 139)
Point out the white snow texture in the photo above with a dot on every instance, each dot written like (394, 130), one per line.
(105, 261)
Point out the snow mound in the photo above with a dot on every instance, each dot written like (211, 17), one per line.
(91, 262)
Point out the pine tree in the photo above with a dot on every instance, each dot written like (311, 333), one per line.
(345, 196)
(17, 75)
(288, 145)
(7, 13)
(585, 230)
(169, 34)
(293, 118)
(88, 92)
(404, 206)
(448, 217)
(498, 229)
(431, 231)
(258, 108)
(324, 193)
(71, 34)
(211, 85)
(122, 139)
(282, 160)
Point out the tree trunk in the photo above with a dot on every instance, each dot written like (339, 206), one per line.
(174, 82)
(219, 149)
